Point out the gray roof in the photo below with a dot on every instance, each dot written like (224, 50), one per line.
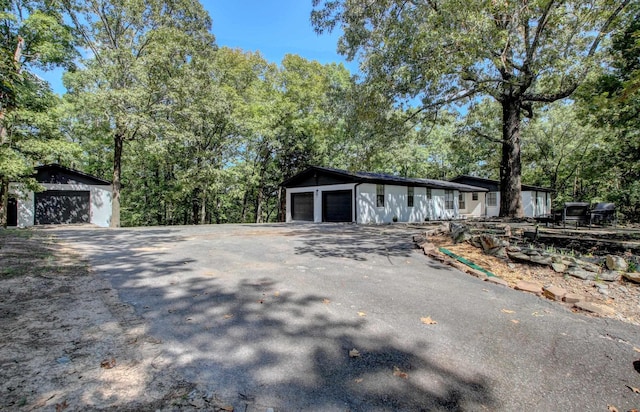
(381, 178)
(494, 185)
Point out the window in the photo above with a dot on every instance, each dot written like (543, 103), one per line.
(461, 204)
(448, 199)
(474, 196)
(410, 196)
(492, 199)
(380, 195)
(428, 193)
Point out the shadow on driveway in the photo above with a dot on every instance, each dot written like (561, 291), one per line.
(253, 339)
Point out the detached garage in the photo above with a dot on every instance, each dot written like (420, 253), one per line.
(70, 196)
(321, 194)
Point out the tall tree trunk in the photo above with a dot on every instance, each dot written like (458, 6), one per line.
(510, 165)
(118, 142)
(245, 206)
(282, 205)
(4, 201)
(203, 208)
(4, 181)
(195, 207)
(259, 203)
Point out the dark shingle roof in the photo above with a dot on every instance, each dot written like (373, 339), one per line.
(72, 172)
(494, 185)
(381, 178)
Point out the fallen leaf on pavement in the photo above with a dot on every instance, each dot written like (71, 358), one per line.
(612, 408)
(353, 353)
(108, 363)
(359, 380)
(362, 314)
(428, 321)
(515, 321)
(276, 294)
(635, 390)
(507, 311)
(62, 406)
(227, 408)
(326, 301)
(228, 316)
(636, 349)
(397, 372)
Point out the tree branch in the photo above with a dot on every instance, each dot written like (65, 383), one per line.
(485, 136)
(552, 97)
(83, 32)
(531, 48)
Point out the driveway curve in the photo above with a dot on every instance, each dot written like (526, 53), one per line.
(266, 316)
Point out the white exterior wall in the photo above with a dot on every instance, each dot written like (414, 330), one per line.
(99, 198)
(543, 206)
(492, 211)
(473, 207)
(317, 198)
(395, 204)
(529, 204)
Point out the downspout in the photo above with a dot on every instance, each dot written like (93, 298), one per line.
(355, 201)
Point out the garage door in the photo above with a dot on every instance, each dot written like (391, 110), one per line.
(337, 206)
(302, 206)
(58, 206)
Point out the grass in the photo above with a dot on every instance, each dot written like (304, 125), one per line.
(32, 253)
(16, 233)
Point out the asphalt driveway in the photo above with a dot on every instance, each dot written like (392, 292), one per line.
(266, 315)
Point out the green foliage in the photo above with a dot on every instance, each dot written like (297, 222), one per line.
(32, 35)
(139, 50)
(452, 52)
(611, 102)
(558, 152)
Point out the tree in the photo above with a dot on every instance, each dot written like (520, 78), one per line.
(134, 46)
(32, 35)
(611, 102)
(558, 151)
(520, 53)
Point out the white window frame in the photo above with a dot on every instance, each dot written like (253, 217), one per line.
(449, 203)
(492, 199)
(379, 195)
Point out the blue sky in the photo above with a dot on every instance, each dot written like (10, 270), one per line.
(275, 28)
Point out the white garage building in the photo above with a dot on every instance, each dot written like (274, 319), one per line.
(70, 196)
(321, 194)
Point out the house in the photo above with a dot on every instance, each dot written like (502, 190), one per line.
(320, 194)
(536, 200)
(70, 196)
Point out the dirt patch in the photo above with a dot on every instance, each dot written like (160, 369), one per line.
(68, 341)
(622, 296)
